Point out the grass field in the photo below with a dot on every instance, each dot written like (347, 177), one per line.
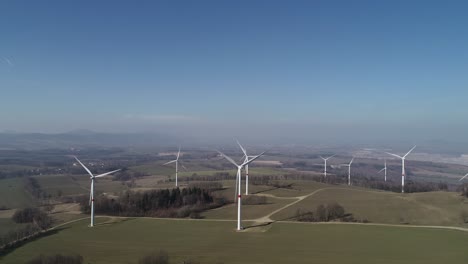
(6, 224)
(217, 242)
(248, 211)
(13, 195)
(78, 184)
(431, 208)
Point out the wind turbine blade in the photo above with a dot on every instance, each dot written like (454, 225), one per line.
(107, 173)
(252, 159)
(322, 157)
(242, 148)
(395, 155)
(228, 158)
(82, 165)
(183, 167)
(463, 177)
(381, 170)
(409, 152)
(351, 161)
(331, 156)
(178, 154)
(172, 161)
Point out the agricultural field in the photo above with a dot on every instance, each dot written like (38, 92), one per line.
(13, 194)
(76, 184)
(430, 208)
(207, 241)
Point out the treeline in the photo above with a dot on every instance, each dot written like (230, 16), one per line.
(463, 189)
(159, 257)
(156, 203)
(32, 186)
(36, 221)
(57, 259)
(326, 213)
(372, 183)
(32, 215)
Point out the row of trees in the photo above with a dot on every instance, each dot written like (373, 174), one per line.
(32, 215)
(57, 259)
(36, 221)
(156, 203)
(325, 213)
(159, 257)
(32, 186)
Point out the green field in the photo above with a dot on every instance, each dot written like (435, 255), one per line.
(7, 224)
(78, 184)
(13, 194)
(431, 208)
(217, 242)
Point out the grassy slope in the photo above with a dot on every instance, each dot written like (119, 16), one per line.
(78, 184)
(433, 208)
(217, 242)
(13, 195)
(248, 211)
(6, 224)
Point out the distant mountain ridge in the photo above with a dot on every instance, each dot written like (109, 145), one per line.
(83, 138)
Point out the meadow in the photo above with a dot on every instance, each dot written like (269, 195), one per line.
(207, 241)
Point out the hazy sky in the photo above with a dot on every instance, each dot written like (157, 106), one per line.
(286, 67)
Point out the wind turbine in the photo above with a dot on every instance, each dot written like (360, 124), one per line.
(91, 194)
(463, 177)
(176, 166)
(384, 169)
(349, 170)
(402, 167)
(238, 177)
(325, 165)
(246, 158)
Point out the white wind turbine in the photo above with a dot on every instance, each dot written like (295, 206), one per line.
(385, 170)
(238, 183)
(246, 158)
(463, 177)
(402, 167)
(91, 194)
(349, 170)
(176, 166)
(325, 165)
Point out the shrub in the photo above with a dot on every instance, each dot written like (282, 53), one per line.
(57, 259)
(160, 257)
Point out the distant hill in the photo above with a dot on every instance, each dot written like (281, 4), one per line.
(82, 138)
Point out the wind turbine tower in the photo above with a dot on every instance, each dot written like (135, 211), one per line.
(246, 158)
(238, 177)
(176, 166)
(91, 194)
(325, 164)
(402, 167)
(349, 170)
(385, 170)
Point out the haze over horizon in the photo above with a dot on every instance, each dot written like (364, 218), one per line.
(360, 70)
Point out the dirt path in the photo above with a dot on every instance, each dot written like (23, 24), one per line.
(267, 219)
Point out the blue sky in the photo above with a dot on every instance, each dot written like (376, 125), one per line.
(198, 65)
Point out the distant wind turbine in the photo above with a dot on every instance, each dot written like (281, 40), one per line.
(402, 167)
(176, 166)
(246, 168)
(91, 194)
(325, 165)
(238, 177)
(384, 169)
(463, 177)
(349, 170)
